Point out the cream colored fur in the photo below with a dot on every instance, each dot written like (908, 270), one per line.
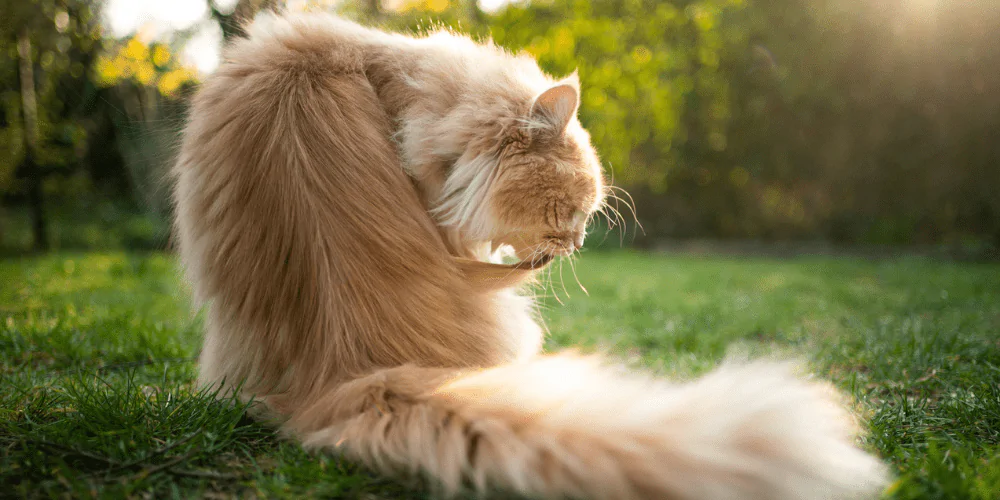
(334, 183)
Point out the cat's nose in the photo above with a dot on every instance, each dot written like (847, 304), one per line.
(578, 239)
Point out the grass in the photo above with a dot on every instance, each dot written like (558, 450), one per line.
(96, 368)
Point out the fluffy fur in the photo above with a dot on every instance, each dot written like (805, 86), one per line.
(334, 188)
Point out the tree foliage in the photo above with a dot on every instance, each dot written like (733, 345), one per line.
(64, 38)
(108, 113)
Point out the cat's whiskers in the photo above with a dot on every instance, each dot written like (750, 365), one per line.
(617, 223)
(603, 211)
(608, 192)
(547, 283)
(572, 266)
(562, 281)
(594, 219)
(630, 203)
(552, 286)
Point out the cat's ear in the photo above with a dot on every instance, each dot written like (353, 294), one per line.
(558, 105)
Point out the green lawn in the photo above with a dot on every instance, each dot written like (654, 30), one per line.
(96, 349)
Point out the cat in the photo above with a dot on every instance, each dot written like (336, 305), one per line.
(341, 194)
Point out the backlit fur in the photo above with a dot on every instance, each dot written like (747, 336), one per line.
(334, 183)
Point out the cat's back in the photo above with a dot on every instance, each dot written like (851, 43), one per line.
(431, 70)
(316, 42)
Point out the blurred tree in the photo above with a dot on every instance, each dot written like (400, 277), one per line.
(373, 9)
(29, 132)
(52, 43)
(141, 113)
(95, 107)
(861, 121)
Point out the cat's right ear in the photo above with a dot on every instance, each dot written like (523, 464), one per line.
(554, 108)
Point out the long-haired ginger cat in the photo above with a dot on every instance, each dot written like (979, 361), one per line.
(340, 192)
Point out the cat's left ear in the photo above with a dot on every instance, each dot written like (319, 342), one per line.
(558, 105)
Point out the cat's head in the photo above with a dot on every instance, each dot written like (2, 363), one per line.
(542, 183)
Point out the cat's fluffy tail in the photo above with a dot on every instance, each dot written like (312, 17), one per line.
(566, 427)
